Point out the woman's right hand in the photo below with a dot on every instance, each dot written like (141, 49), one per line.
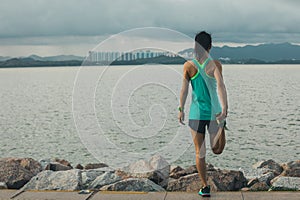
(181, 117)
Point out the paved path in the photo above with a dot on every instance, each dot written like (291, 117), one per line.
(51, 195)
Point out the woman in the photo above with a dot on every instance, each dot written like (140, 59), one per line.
(209, 103)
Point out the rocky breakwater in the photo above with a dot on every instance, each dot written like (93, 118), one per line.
(152, 175)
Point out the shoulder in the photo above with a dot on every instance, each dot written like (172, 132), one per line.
(188, 68)
(188, 64)
(216, 64)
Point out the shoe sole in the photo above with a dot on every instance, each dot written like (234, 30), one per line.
(204, 195)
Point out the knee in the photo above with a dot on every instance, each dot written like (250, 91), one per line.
(200, 155)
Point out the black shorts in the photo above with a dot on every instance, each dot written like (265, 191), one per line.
(200, 125)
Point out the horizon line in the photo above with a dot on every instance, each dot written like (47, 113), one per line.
(215, 44)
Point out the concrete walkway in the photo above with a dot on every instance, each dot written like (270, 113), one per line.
(55, 195)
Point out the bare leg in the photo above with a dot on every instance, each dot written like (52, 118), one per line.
(218, 141)
(199, 142)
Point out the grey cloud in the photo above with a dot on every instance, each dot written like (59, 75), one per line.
(229, 20)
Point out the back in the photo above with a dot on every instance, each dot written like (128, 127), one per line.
(205, 102)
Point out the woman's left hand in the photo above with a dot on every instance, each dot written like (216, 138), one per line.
(221, 116)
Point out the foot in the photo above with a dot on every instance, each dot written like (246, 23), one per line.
(205, 191)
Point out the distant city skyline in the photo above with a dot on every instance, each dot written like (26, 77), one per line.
(95, 56)
(54, 27)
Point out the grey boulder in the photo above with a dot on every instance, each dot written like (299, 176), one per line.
(285, 183)
(185, 183)
(291, 169)
(226, 180)
(255, 173)
(61, 180)
(104, 179)
(220, 180)
(134, 184)
(261, 183)
(270, 165)
(260, 186)
(266, 178)
(156, 169)
(88, 176)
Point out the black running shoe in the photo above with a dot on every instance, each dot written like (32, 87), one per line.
(205, 191)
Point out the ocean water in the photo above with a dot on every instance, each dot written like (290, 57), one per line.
(121, 114)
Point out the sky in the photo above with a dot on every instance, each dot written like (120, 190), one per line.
(53, 27)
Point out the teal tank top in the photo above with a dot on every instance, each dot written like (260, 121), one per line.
(205, 101)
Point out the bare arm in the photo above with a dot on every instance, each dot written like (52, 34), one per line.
(221, 90)
(184, 92)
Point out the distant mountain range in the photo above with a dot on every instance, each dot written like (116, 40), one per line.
(263, 52)
(283, 53)
(38, 61)
(57, 58)
(30, 62)
(47, 58)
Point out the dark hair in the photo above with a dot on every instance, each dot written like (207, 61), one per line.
(202, 42)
